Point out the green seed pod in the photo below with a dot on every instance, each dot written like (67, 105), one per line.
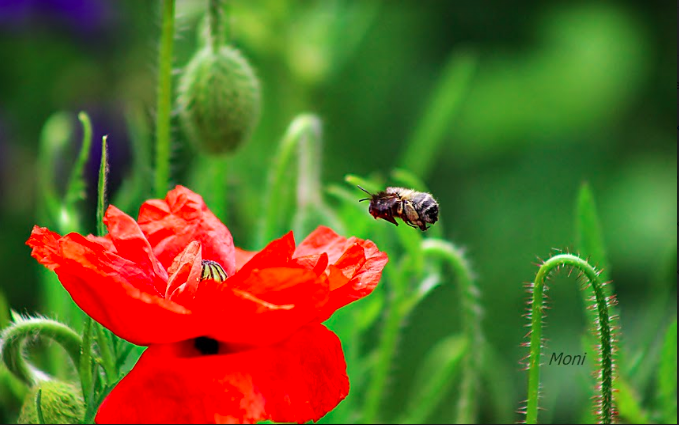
(219, 100)
(60, 403)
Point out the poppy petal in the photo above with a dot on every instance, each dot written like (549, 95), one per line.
(355, 265)
(185, 274)
(363, 279)
(298, 380)
(181, 218)
(243, 257)
(277, 253)
(111, 289)
(261, 307)
(131, 244)
(323, 239)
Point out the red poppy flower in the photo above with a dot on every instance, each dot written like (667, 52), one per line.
(244, 349)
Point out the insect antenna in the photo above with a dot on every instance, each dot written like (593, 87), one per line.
(364, 199)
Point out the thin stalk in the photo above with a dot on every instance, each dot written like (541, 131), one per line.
(104, 347)
(164, 100)
(603, 327)
(107, 358)
(101, 188)
(85, 369)
(218, 19)
(471, 324)
(386, 349)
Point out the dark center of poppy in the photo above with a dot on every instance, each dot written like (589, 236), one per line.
(206, 346)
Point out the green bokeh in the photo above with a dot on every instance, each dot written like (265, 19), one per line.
(561, 94)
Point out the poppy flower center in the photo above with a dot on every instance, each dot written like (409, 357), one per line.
(206, 346)
(212, 270)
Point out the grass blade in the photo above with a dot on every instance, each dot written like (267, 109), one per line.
(588, 234)
(424, 146)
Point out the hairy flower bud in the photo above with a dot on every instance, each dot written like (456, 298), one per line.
(219, 100)
(60, 403)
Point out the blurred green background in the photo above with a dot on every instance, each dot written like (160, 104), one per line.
(557, 94)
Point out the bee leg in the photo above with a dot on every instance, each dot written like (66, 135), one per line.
(390, 219)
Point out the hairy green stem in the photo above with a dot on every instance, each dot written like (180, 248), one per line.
(85, 369)
(164, 100)
(14, 339)
(101, 188)
(215, 12)
(471, 324)
(107, 358)
(386, 350)
(603, 328)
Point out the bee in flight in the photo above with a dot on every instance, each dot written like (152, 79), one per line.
(416, 209)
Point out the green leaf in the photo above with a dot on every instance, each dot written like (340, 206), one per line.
(434, 378)
(424, 146)
(589, 237)
(667, 375)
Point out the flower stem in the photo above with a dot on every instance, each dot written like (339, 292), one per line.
(603, 329)
(14, 337)
(216, 16)
(386, 349)
(471, 324)
(85, 369)
(108, 361)
(101, 188)
(164, 100)
(277, 205)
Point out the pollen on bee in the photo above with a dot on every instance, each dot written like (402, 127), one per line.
(212, 270)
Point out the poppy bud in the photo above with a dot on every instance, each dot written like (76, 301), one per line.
(219, 100)
(60, 403)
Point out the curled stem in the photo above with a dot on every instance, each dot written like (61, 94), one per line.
(302, 137)
(76, 184)
(605, 407)
(14, 339)
(164, 100)
(471, 324)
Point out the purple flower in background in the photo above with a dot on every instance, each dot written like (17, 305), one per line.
(85, 17)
